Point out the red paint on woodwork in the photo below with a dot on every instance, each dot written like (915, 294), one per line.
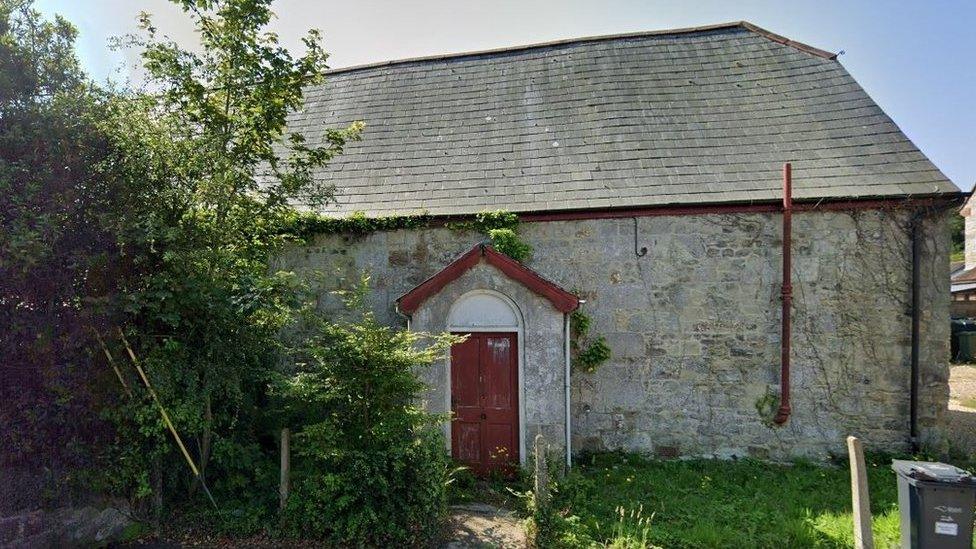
(484, 401)
(562, 300)
(719, 209)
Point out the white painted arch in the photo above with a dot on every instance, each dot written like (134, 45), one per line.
(484, 310)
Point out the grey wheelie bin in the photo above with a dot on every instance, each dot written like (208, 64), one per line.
(936, 503)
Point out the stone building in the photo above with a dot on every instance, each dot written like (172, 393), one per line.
(647, 173)
(963, 286)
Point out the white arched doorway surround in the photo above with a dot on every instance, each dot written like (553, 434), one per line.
(484, 310)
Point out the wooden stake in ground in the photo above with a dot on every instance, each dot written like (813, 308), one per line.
(863, 537)
(541, 472)
(166, 420)
(285, 468)
(111, 361)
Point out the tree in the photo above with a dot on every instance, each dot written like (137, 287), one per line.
(59, 260)
(152, 217)
(957, 228)
(207, 144)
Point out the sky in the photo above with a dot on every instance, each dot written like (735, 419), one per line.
(916, 58)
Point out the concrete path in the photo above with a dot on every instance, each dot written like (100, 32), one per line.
(482, 525)
(960, 417)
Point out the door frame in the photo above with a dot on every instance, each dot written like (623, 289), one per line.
(520, 358)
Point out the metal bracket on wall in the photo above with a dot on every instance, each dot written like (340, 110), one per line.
(642, 251)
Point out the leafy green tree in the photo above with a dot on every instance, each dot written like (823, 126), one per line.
(957, 228)
(207, 144)
(59, 259)
(153, 216)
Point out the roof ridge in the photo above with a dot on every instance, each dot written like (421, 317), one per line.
(787, 42)
(595, 38)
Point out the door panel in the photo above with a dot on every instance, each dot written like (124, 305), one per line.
(484, 401)
(468, 437)
(465, 358)
(497, 368)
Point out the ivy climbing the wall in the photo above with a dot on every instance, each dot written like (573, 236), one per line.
(304, 225)
(502, 228)
(587, 353)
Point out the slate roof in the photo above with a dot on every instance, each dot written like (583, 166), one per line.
(692, 116)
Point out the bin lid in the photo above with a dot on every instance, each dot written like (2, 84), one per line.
(932, 471)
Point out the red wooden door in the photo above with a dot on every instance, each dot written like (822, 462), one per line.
(484, 401)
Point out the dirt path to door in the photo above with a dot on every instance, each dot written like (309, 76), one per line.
(482, 525)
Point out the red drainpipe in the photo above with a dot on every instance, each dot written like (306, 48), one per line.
(783, 413)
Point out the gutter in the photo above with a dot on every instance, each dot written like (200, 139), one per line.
(800, 205)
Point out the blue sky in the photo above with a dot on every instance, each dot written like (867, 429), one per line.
(916, 58)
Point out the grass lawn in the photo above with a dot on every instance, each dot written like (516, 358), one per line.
(709, 503)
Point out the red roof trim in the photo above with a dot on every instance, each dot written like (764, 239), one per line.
(410, 301)
(562, 300)
(718, 209)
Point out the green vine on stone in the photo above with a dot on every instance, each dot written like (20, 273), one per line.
(766, 407)
(305, 225)
(586, 354)
(502, 228)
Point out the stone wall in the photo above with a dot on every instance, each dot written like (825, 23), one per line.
(694, 325)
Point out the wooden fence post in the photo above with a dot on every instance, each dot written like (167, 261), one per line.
(863, 537)
(541, 472)
(285, 485)
(157, 480)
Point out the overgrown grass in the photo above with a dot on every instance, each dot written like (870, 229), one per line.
(502, 491)
(619, 500)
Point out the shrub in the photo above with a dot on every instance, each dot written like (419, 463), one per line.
(507, 242)
(395, 496)
(371, 466)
